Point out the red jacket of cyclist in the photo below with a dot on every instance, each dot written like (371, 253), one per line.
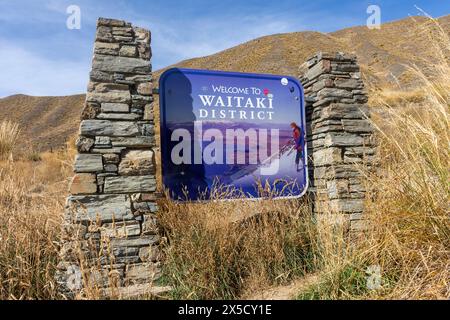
(297, 134)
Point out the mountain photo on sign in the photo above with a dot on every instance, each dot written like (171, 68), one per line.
(231, 129)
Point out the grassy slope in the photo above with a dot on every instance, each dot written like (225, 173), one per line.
(45, 122)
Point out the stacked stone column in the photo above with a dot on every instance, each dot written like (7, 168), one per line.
(340, 135)
(110, 232)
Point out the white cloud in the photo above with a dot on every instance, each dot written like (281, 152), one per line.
(29, 70)
(26, 73)
(174, 41)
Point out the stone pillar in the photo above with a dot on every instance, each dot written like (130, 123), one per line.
(110, 235)
(340, 136)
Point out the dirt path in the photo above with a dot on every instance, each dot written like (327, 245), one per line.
(287, 292)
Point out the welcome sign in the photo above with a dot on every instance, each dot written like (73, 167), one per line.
(244, 131)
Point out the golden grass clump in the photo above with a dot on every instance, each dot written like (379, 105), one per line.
(31, 207)
(9, 135)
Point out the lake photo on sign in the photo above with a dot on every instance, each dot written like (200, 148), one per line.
(245, 131)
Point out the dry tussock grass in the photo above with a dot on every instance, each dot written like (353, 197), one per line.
(31, 205)
(412, 191)
(408, 199)
(9, 134)
(222, 249)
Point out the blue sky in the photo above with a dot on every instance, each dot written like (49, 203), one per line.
(40, 56)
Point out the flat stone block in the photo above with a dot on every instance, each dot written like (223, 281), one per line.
(136, 242)
(119, 116)
(344, 111)
(115, 107)
(128, 51)
(348, 83)
(327, 156)
(338, 188)
(106, 48)
(85, 163)
(121, 229)
(359, 151)
(108, 150)
(135, 142)
(347, 205)
(109, 97)
(363, 126)
(137, 162)
(109, 128)
(107, 208)
(343, 140)
(111, 158)
(130, 184)
(142, 273)
(102, 141)
(334, 92)
(121, 64)
(112, 22)
(111, 168)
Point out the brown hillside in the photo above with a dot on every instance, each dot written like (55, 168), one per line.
(49, 121)
(46, 122)
(380, 52)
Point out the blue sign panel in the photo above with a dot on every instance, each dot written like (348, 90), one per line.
(245, 131)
